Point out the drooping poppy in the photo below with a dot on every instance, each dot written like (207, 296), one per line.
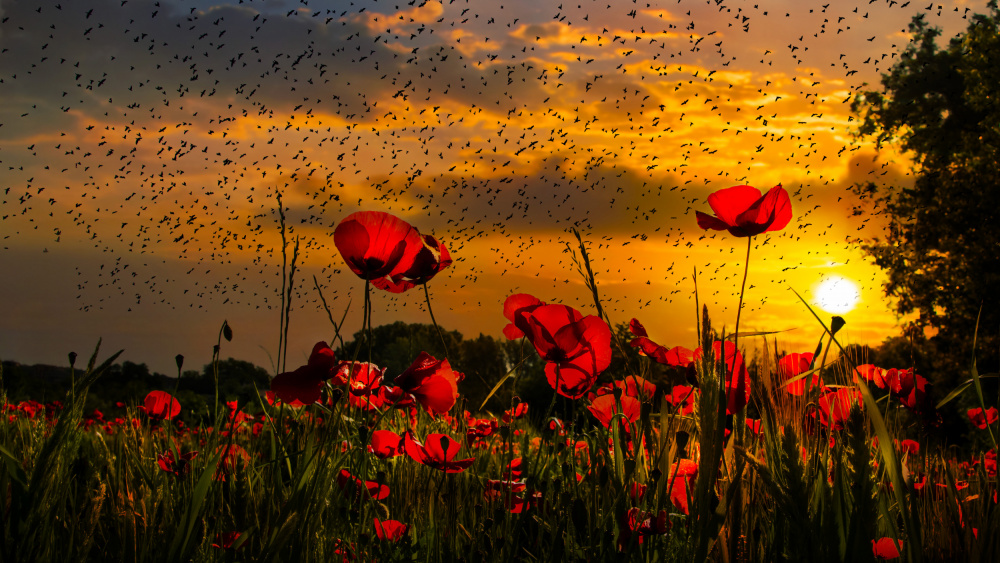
(391, 530)
(793, 365)
(431, 382)
(982, 420)
(373, 243)
(160, 405)
(605, 407)
(576, 348)
(438, 452)
(423, 259)
(744, 212)
(303, 386)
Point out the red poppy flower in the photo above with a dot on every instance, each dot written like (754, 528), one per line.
(431, 382)
(363, 382)
(511, 493)
(911, 447)
(438, 453)
(835, 406)
(605, 408)
(576, 348)
(682, 474)
(231, 456)
(871, 373)
(480, 429)
(633, 386)
(678, 356)
(178, 467)
(910, 388)
(983, 420)
(391, 530)
(886, 548)
(386, 444)
(352, 485)
(423, 259)
(793, 365)
(644, 523)
(373, 243)
(516, 308)
(682, 397)
(515, 469)
(226, 540)
(517, 412)
(744, 212)
(303, 386)
(160, 405)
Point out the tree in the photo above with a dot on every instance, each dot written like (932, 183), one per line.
(942, 247)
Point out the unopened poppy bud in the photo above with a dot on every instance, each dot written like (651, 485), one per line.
(380, 477)
(487, 524)
(655, 474)
(617, 392)
(363, 433)
(179, 360)
(72, 359)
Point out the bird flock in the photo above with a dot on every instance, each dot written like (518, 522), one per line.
(151, 140)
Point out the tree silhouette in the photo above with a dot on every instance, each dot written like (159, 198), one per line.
(942, 247)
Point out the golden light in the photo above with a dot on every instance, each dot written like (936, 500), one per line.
(836, 295)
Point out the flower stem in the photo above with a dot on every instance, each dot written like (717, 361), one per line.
(427, 295)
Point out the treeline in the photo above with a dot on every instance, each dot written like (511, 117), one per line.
(483, 360)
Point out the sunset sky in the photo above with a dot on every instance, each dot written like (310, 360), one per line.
(143, 145)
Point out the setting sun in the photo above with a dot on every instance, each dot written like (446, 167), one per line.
(836, 295)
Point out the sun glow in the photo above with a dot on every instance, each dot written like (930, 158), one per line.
(836, 295)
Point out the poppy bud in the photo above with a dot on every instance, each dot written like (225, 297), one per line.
(72, 359)
(179, 360)
(655, 474)
(363, 433)
(335, 394)
(227, 332)
(380, 477)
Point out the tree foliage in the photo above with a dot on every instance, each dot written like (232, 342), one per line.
(942, 247)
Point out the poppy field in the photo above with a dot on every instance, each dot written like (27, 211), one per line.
(758, 455)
